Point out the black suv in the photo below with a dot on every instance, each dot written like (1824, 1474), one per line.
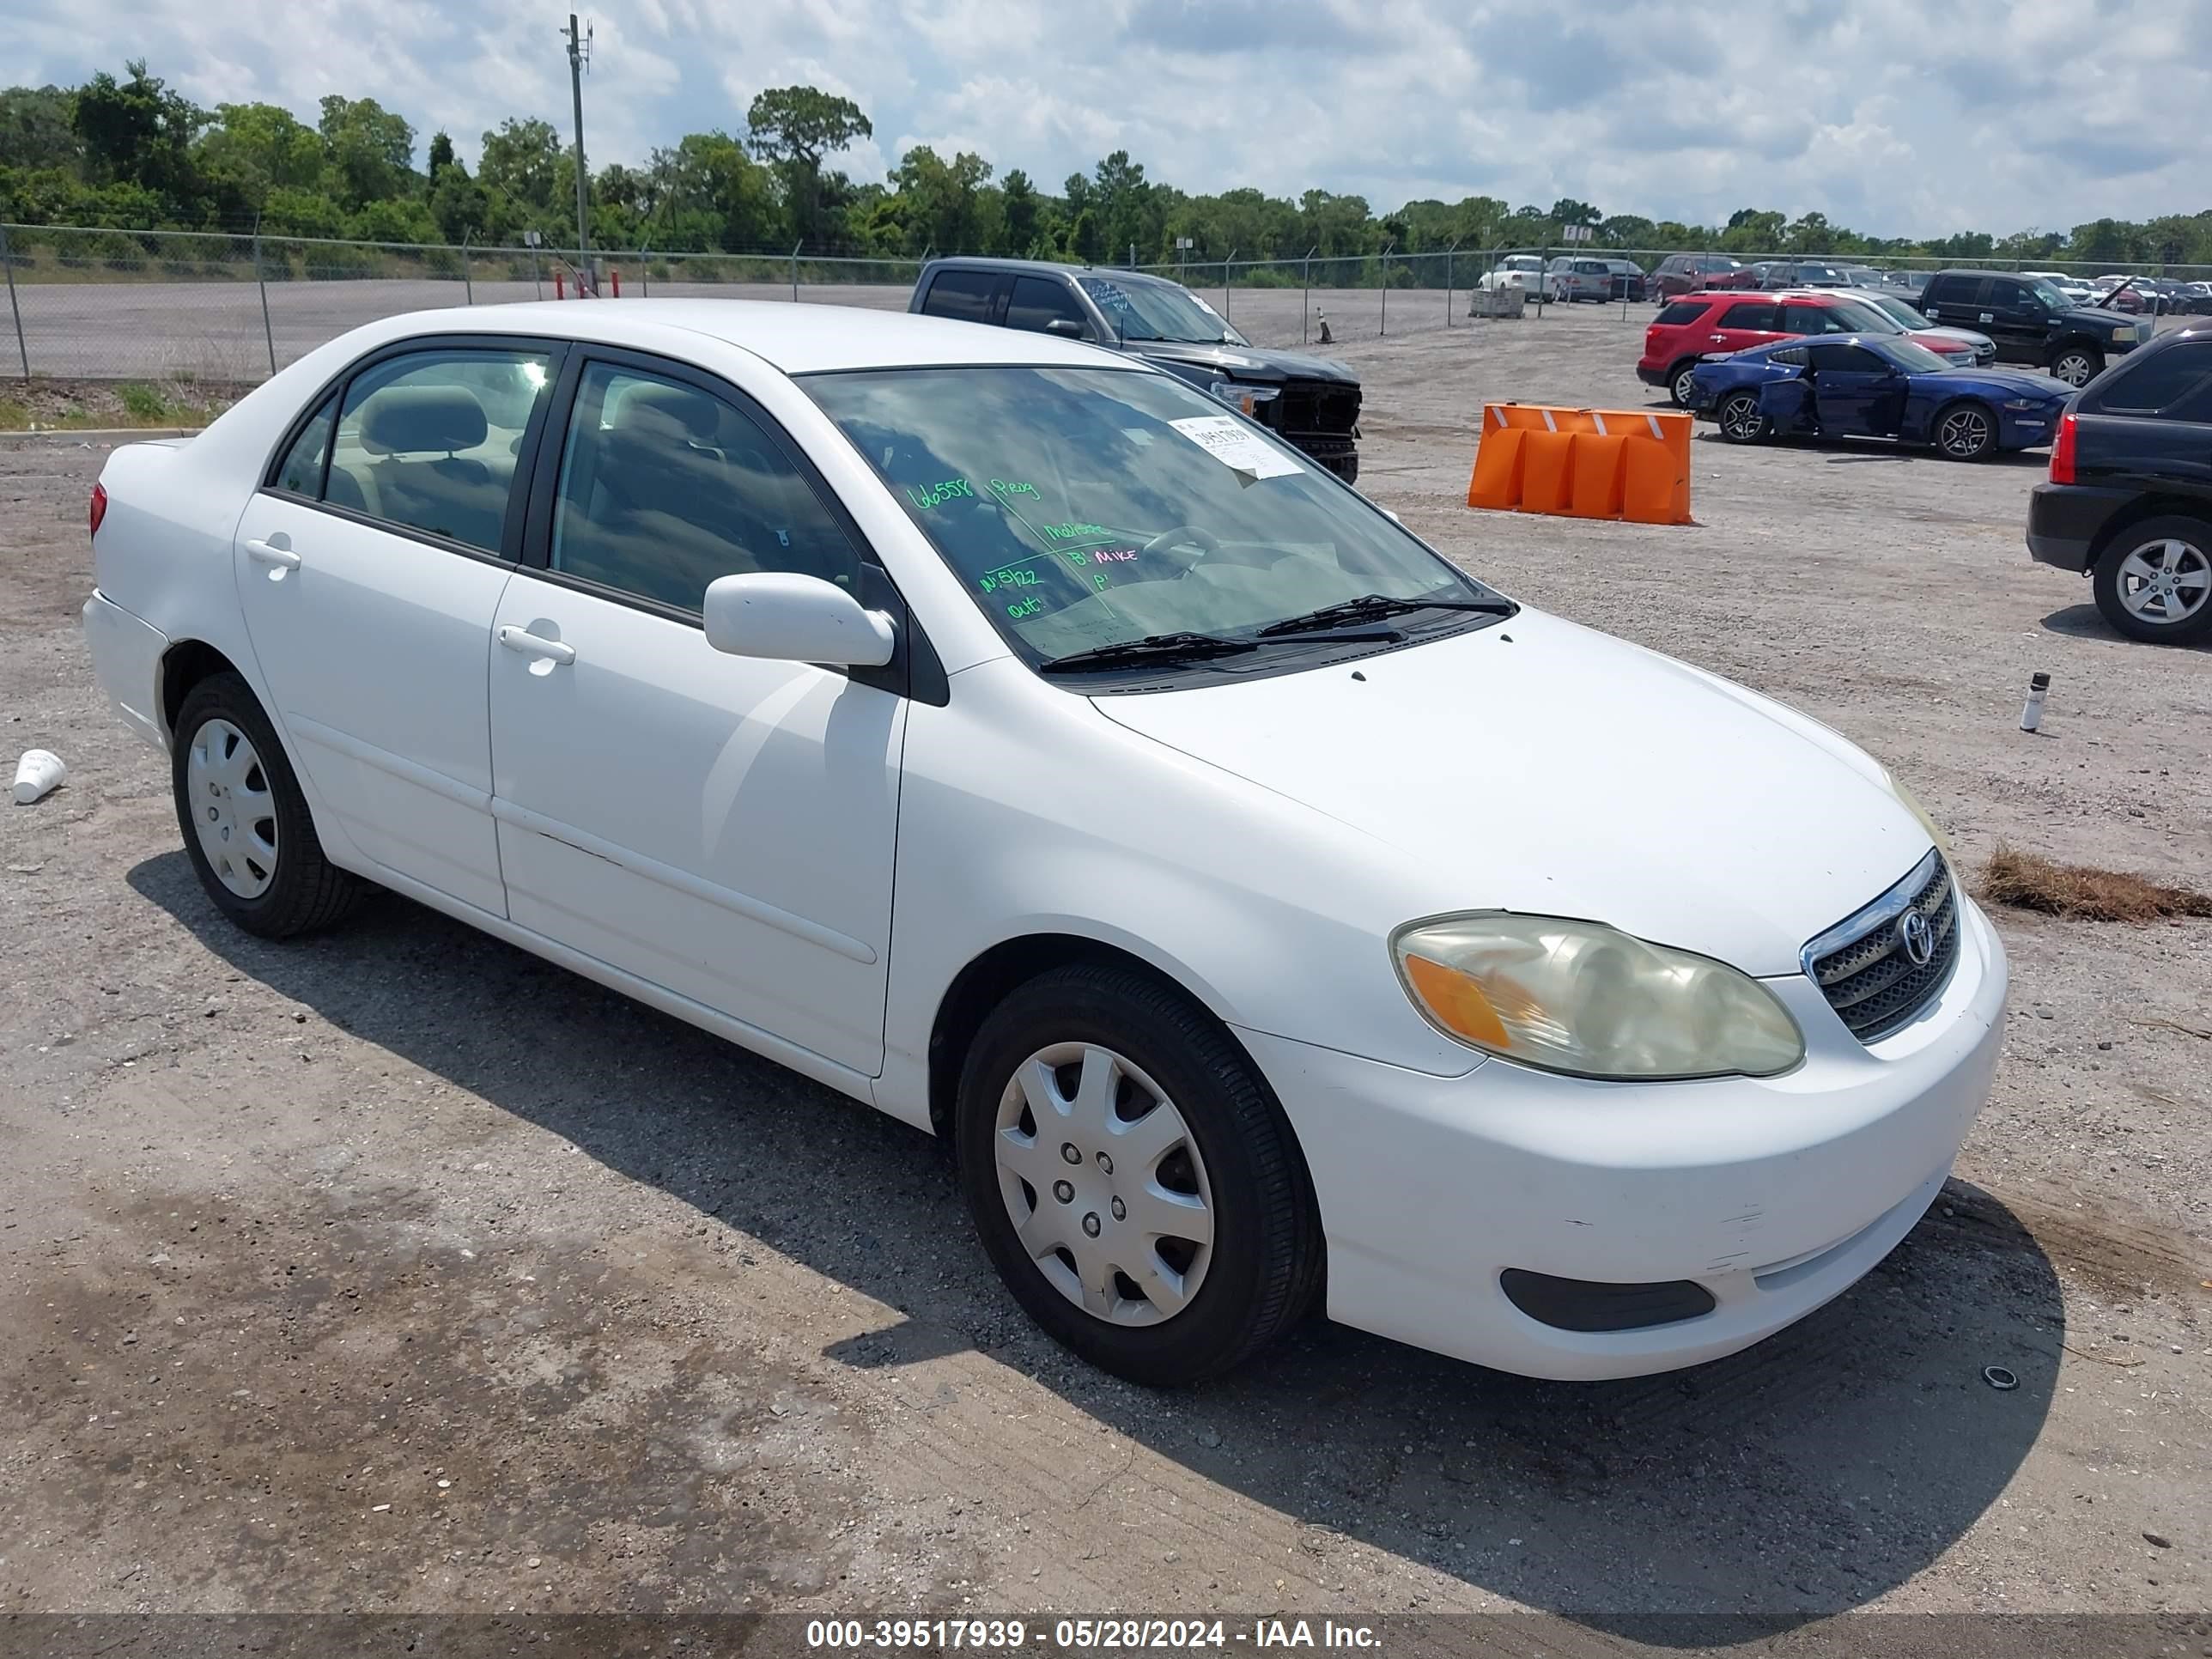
(2032, 321)
(2129, 499)
(1312, 402)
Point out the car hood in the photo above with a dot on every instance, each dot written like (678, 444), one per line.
(1245, 362)
(2018, 383)
(1538, 766)
(1976, 341)
(2105, 316)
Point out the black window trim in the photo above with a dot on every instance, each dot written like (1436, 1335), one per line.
(334, 391)
(915, 671)
(994, 313)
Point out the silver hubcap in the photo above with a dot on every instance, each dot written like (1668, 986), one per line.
(2165, 581)
(1103, 1184)
(2073, 368)
(1741, 418)
(232, 810)
(1682, 388)
(1965, 431)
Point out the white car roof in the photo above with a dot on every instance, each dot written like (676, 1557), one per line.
(798, 339)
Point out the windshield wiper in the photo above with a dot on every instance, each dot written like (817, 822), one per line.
(1373, 607)
(1184, 647)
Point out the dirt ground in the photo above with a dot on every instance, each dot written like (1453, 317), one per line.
(399, 1272)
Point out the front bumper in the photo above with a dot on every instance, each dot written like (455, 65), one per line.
(126, 659)
(1772, 1195)
(2066, 521)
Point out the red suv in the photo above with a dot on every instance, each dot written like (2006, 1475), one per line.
(1713, 323)
(1686, 273)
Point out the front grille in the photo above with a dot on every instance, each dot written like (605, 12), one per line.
(1583, 1304)
(1317, 406)
(1861, 964)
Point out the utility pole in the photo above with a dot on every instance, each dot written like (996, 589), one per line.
(579, 55)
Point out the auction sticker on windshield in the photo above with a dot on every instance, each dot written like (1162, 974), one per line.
(1236, 445)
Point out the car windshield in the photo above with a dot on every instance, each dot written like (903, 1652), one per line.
(2050, 294)
(1160, 311)
(1909, 354)
(1090, 508)
(1898, 310)
(1860, 317)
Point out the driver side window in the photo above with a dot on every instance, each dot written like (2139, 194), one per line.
(664, 487)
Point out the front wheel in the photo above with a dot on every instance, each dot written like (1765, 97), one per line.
(1740, 418)
(2076, 365)
(1135, 1182)
(1966, 431)
(2154, 582)
(244, 819)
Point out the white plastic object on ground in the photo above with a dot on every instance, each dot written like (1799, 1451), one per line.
(40, 773)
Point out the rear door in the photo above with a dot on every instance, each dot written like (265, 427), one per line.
(1740, 325)
(369, 568)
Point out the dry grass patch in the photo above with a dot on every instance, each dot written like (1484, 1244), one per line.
(2027, 882)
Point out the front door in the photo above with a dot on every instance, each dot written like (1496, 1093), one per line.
(720, 826)
(1855, 394)
(369, 569)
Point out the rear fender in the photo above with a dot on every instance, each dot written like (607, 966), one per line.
(1785, 406)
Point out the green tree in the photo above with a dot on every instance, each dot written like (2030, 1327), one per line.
(1569, 211)
(943, 202)
(257, 148)
(712, 194)
(35, 133)
(139, 132)
(442, 154)
(1752, 230)
(525, 161)
(794, 128)
(1023, 211)
(370, 150)
(459, 206)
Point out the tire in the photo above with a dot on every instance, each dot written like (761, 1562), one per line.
(1348, 469)
(238, 800)
(1677, 383)
(1739, 420)
(1966, 430)
(2128, 576)
(2076, 365)
(1230, 1163)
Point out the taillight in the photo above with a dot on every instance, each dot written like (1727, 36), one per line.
(99, 507)
(2061, 452)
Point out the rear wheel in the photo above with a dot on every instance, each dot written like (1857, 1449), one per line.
(246, 823)
(2154, 581)
(1739, 420)
(1966, 431)
(1677, 383)
(1133, 1178)
(2076, 365)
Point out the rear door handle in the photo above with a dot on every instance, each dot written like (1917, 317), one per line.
(278, 559)
(536, 645)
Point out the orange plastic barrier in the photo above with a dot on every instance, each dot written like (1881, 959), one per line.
(1585, 463)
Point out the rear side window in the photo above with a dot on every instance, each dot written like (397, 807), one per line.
(966, 296)
(302, 473)
(1847, 359)
(1037, 303)
(1682, 311)
(1757, 315)
(2162, 383)
(428, 442)
(1953, 290)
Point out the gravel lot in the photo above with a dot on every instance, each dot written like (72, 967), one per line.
(397, 1271)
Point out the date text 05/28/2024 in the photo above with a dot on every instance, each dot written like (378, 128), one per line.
(1088, 1634)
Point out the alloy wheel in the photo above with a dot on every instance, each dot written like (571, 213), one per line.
(1683, 387)
(2166, 582)
(1964, 434)
(1104, 1184)
(233, 809)
(1741, 421)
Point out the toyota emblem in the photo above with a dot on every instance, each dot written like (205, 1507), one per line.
(1915, 938)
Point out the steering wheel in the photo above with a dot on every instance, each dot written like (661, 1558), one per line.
(1186, 535)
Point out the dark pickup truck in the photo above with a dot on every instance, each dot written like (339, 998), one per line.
(1312, 402)
(2032, 321)
(2128, 502)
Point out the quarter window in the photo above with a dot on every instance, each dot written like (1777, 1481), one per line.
(301, 474)
(428, 442)
(664, 487)
(2158, 383)
(1682, 311)
(1757, 316)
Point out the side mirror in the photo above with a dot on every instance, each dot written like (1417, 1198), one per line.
(1068, 327)
(787, 617)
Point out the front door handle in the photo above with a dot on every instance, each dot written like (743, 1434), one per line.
(278, 559)
(552, 652)
(1719, 339)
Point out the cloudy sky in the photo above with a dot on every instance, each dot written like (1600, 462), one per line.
(1899, 116)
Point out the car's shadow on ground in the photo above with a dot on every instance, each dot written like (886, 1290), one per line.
(2086, 621)
(1849, 451)
(1801, 1480)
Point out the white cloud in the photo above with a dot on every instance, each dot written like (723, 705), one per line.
(1894, 116)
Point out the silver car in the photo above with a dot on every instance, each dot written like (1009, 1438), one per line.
(1902, 311)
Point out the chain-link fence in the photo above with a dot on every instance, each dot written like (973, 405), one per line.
(186, 306)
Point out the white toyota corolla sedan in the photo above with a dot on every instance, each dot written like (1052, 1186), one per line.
(1006, 733)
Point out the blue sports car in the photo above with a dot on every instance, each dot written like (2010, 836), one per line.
(1875, 385)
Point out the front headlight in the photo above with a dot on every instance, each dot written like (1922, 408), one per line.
(1589, 1000)
(1245, 398)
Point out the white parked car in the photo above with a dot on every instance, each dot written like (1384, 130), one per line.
(1520, 271)
(1000, 732)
